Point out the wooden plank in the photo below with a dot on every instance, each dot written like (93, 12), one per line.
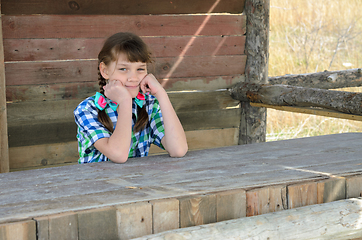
(354, 186)
(120, 7)
(88, 48)
(92, 26)
(24, 73)
(336, 220)
(64, 226)
(82, 90)
(29, 113)
(230, 205)
(332, 189)
(134, 220)
(265, 200)
(4, 149)
(18, 230)
(165, 215)
(302, 194)
(197, 210)
(48, 155)
(313, 111)
(42, 132)
(99, 223)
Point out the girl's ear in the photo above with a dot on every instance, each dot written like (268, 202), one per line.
(104, 70)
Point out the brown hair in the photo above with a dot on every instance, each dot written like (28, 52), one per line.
(136, 51)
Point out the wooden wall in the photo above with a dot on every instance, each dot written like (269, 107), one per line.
(50, 51)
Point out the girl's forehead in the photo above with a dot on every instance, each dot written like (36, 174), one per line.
(123, 60)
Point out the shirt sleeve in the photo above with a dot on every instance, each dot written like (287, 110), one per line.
(89, 130)
(156, 125)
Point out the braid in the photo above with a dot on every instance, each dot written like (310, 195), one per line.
(102, 115)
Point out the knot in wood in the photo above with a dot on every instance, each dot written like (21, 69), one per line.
(44, 162)
(253, 97)
(259, 7)
(138, 24)
(73, 5)
(166, 67)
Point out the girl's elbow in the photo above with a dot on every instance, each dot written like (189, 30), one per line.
(120, 158)
(180, 152)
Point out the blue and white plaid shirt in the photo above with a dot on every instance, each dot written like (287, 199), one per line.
(90, 129)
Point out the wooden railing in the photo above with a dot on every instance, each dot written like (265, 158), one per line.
(307, 93)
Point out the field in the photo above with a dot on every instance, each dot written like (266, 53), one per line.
(313, 36)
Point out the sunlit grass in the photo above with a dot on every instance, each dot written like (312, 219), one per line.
(312, 36)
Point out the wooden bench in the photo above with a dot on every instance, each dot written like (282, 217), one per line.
(158, 193)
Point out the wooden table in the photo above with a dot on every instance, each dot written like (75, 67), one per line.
(246, 169)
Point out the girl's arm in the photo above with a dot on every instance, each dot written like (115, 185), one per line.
(174, 140)
(116, 147)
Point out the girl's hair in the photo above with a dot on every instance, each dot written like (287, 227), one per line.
(136, 51)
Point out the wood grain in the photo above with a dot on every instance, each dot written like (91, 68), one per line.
(302, 195)
(4, 149)
(265, 200)
(88, 48)
(314, 111)
(30, 73)
(92, 26)
(197, 210)
(56, 154)
(325, 221)
(82, 90)
(123, 7)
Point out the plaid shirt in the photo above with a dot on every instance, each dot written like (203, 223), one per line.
(90, 129)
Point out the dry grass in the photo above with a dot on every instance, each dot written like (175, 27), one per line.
(312, 36)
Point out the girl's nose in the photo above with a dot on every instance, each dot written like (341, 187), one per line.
(132, 76)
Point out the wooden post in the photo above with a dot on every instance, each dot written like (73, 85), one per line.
(253, 120)
(4, 148)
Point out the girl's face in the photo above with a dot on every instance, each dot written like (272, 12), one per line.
(130, 74)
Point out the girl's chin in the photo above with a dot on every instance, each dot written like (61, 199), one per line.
(134, 91)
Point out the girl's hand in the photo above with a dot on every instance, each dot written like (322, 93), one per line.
(150, 84)
(115, 91)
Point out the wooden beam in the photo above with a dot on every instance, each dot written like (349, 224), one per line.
(253, 120)
(284, 95)
(92, 26)
(310, 110)
(121, 7)
(4, 149)
(335, 220)
(324, 80)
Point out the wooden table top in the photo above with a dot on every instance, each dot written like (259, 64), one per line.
(47, 191)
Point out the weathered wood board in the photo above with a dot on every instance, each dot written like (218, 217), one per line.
(78, 187)
(337, 220)
(138, 197)
(120, 7)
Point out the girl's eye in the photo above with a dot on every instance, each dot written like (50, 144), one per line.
(122, 69)
(141, 69)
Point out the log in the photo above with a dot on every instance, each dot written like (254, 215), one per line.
(253, 120)
(285, 95)
(335, 220)
(324, 80)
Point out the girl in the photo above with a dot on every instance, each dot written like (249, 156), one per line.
(131, 111)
